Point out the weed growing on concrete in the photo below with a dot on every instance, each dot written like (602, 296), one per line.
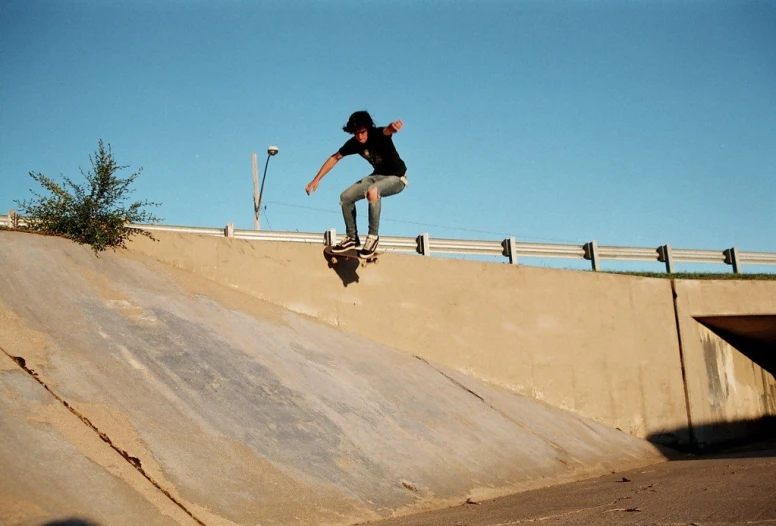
(92, 213)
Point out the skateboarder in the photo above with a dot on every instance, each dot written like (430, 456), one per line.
(388, 178)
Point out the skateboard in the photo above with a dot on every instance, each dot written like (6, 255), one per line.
(350, 254)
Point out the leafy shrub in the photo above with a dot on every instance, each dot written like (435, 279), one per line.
(92, 213)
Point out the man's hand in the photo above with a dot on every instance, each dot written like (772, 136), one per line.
(312, 187)
(394, 127)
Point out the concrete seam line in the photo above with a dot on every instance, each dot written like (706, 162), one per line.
(133, 461)
(456, 382)
(519, 424)
(690, 429)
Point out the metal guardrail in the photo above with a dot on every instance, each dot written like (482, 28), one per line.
(203, 231)
(12, 220)
(509, 248)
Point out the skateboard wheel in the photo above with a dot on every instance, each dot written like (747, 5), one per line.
(334, 260)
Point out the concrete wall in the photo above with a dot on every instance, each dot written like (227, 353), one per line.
(726, 391)
(124, 381)
(603, 346)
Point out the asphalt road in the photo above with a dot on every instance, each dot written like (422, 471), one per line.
(735, 487)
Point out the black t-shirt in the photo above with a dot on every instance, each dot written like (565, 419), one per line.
(379, 151)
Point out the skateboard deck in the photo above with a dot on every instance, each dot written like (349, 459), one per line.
(350, 254)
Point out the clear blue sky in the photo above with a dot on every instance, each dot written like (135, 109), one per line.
(633, 123)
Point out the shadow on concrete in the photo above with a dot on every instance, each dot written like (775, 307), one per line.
(346, 268)
(746, 437)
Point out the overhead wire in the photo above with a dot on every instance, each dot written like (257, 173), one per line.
(418, 223)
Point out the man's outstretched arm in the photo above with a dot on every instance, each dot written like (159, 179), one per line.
(392, 128)
(328, 165)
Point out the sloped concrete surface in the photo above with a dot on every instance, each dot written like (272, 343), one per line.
(731, 488)
(239, 412)
(54, 466)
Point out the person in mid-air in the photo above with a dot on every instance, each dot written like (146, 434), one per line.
(388, 178)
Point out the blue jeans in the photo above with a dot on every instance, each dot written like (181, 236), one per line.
(386, 185)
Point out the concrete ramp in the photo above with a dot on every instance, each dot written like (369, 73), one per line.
(133, 392)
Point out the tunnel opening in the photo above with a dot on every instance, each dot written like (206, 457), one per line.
(753, 336)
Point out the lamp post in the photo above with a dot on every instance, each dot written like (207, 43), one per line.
(257, 192)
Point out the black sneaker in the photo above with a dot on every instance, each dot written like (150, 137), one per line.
(345, 245)
(370, 247)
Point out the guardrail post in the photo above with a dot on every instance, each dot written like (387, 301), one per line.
(731, 258)
(422, 244)
(666, 255)
(591, 253)
(229, 230)
(510, 249)
(329, 237)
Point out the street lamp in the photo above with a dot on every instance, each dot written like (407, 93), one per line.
(257, 193)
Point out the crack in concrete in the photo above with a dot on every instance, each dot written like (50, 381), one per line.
(456, 382)
(134, 461)
(521, 425)
(459, 384)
